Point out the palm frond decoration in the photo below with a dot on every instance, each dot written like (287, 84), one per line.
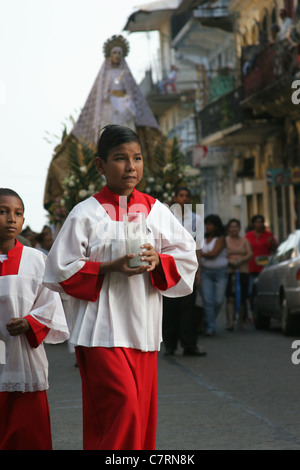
(81, 182)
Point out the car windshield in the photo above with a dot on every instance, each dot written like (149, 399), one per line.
(286, 250)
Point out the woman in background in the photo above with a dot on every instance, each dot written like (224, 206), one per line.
(239, 252)
(213, 270)
(263, 244)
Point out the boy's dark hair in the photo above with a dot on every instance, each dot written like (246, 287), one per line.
(216, 221)
(182, 188)
(256, 217)
(11, 192)
(112, 136)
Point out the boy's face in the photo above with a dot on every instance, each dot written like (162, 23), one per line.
(183, 197)
(11, 217)
(123, 169)
(47, 241)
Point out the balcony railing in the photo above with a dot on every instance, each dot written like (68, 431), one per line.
(221, 113)
(265, 68)
(220, 85)
(217, 9)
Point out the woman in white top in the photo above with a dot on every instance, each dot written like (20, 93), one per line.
(213, 270)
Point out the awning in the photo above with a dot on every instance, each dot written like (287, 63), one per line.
(196, 37)
(215, 14)
(150, 16)
(187, 5)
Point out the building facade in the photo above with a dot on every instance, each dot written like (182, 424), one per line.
(236, 106)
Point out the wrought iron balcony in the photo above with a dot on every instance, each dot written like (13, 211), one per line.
(222, 113)
(277, 61)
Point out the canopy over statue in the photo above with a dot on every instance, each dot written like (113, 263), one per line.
(115, 98)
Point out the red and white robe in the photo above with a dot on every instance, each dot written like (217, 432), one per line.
(24, 412)
(115, 311)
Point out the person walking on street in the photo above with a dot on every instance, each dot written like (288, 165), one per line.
(263, 244)
(117, 309)
(239, 252)
(179, 314)
(213, 271)
(30, 314)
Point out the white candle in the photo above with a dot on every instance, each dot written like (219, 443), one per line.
(135, 232)
(134, 247)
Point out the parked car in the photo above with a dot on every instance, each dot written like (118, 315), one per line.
(277, 288)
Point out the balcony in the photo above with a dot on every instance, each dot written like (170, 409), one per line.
(267, 85)
(223, 113)
(221, 83)
(277, 62)
(215, 14)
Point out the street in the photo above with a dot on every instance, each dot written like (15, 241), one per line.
(243, 396)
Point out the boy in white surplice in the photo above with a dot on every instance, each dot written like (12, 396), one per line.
(117, 310)
(29, 314)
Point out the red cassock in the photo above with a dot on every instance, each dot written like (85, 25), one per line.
(25, 417)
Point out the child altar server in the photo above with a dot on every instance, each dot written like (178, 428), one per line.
(29, 314)
(117, 309)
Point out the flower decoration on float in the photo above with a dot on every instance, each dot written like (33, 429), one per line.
(169, 172)
(116, 41)
(81, 182)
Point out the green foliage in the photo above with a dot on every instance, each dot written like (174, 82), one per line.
(169, 172)
(81, 182)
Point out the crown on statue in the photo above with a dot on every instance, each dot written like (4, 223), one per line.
(116, 41)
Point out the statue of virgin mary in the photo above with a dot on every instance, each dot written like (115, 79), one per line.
(115, 98)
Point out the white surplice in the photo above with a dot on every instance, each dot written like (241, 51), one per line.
(22, 294)
(128, 310)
